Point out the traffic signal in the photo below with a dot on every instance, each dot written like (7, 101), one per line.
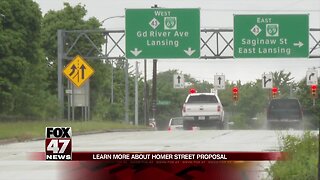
(314, 93)
(235, 94)
(192, 90)
(274, 92)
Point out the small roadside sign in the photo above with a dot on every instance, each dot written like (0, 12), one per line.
(178, 81)
(267, 81)
(219, 81)
(163, 102)
(312, 77)
(78, 71)
(68, 91)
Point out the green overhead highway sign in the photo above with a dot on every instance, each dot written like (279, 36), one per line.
(162, 33)
(271, 36)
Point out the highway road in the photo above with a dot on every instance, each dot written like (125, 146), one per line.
(14, 163)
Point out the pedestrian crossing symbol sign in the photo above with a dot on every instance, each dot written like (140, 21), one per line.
(78, 71)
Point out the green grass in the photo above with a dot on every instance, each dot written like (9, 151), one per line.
(25, 130)
(303, 158)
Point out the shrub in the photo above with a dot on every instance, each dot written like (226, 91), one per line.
(303, 158)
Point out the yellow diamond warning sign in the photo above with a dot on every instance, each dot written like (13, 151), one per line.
(78, 71)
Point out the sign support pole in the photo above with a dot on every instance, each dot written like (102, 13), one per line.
(60, 66)
(72, 99)
(154, 84)
(314, 102)
(69, 100)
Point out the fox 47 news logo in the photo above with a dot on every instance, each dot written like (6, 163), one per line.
(58, 143)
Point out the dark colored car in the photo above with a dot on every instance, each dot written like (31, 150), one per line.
(282, 113)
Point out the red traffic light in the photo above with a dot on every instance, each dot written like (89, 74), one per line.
(192, 90)
(235, 95)
(275, 90)
(235, 90)
(314, 93)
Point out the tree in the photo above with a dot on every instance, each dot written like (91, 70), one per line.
(252, 101)
(311, 113)
(73, 18)
(69, 18)
(22, 68)
(284, 83)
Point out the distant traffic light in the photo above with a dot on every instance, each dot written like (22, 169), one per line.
(192, 90)
(314, 93)
(274, 92)
(235, 93)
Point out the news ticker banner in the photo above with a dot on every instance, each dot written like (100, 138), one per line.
(148, 165)
(58, 147)
(153, 157)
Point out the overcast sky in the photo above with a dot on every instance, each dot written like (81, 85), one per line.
(214, 14)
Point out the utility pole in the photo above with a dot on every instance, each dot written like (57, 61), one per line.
(145, 102)
(111, 81)
(126, 103)
(136, 109)
(105, 54)
(291, 90)
(154, 89)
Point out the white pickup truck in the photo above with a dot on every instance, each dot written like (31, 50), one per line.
(203, 110)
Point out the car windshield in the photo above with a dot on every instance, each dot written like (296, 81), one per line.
(177, 121)
(203, 99)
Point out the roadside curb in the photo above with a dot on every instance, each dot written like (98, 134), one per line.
(15, 140)
(8, 141)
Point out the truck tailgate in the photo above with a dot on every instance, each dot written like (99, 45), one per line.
(285, 114)
(201, 109)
